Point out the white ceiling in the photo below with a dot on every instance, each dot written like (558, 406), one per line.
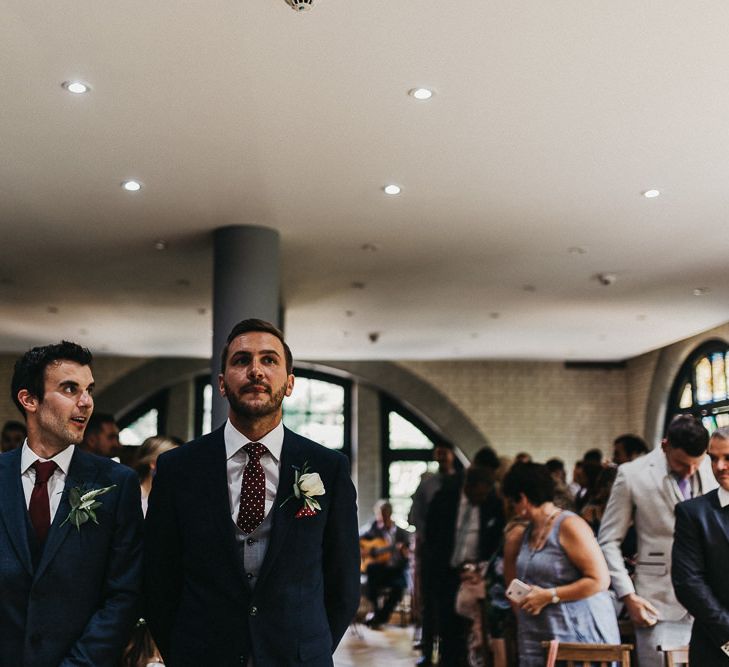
(548, 122)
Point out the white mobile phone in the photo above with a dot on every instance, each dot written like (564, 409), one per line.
(517, 590)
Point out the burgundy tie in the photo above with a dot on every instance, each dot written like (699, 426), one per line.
(253, 489)
(40, 507)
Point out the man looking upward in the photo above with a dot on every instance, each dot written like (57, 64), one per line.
(252, 553)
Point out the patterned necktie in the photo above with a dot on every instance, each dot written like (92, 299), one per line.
(253, 489)
(39, 507)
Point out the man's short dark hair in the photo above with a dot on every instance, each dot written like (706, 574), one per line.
(686, 432)
(96, 420)
(555, 465)
(12, 425)
(30, 369)
(486, 457)
(531, 479)
(254, 324)
(633, 445)
(592, 456)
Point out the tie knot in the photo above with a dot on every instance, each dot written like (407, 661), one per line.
(255, 450)
(43, 471)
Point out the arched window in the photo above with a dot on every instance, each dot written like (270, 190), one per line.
(701, 387)
(407, 454)
(146, 420)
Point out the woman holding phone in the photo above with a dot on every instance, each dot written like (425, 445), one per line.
(558, 558)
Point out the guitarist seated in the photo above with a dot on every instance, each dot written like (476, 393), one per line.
(384, 548)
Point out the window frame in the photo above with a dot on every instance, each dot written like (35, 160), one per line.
(158, 401)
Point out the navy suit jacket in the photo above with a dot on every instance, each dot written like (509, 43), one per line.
(199, 606)
(700, 575)
(74, 603)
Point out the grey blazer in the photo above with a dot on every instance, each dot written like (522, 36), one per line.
(645, 494)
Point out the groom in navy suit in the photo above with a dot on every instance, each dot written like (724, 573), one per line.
(252, 552)
(700, 561)
(70, 573)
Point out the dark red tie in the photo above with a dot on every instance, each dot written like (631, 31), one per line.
(40, 507)
(253, 489)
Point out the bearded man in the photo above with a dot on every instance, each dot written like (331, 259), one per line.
(251, 553)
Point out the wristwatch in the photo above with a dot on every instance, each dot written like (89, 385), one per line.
(555, 598)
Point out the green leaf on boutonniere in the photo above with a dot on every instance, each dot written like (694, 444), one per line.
(84, 505)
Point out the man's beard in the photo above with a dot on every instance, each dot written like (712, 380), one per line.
(248, 411)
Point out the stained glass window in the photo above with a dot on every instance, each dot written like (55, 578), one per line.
(702, 386)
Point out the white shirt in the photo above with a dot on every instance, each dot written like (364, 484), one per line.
(237, 459)
(723, 496)
(57, 480)
(468, 526)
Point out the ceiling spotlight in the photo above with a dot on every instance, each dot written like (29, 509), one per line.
(132, 186)
(160, 244)
(651, 194)
(701, 291)
(420, 93)
(606, 279)
(356, 284)
(370, 247)
(76, 87)
(577, 250)
(392, 189)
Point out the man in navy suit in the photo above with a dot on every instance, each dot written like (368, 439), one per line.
(252, 552)
(700, 559)
(69, 580)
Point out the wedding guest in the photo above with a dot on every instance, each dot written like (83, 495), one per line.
(594, 507)
(645, 494)
(558, 556)
(388, 562)
(145, 463)
(69, 572)
(102, 436)
(628, 447)
(13, 435)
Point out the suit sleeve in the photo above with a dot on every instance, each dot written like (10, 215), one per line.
(163, 574)
(341, 555)
(614, 526)
(108, 630)
(689, 576)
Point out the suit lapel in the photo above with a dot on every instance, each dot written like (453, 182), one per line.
(720, 514)
(291, 459)
(12, 509)
(82, 472)
(213, 478)
(659, 471)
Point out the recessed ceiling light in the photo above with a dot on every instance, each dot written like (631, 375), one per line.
(356, 284)
(651, 194)
(577, 250)
(132, 186)
(370, 247)
(52, 309)
(160, 244)
(76, 87)
(420, 93)
(701, 291)
(529, 288)
(494, 316)
(392, 189)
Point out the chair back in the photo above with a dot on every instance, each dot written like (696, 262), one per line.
(676, 656)
(585, 655)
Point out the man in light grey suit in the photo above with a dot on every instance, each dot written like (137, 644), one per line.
(645, 493)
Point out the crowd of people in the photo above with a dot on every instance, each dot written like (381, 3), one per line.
(508, 555)
(248, 525)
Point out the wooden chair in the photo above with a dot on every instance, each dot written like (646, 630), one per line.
(586, 654)
(676, 656)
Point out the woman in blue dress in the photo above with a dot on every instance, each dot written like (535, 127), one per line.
(558, 556)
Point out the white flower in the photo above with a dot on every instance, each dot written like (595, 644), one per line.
(310, 484)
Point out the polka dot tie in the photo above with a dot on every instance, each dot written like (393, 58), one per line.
(253, 489)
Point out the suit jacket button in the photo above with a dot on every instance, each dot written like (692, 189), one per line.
(249, 575)
(253, 611)
(250, 541)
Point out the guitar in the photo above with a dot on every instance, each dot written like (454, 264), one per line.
(375, 550)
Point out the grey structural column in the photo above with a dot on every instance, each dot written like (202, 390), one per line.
(246, 283)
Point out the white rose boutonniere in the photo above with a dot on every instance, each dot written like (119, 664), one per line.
(306, 485)
(84, 505)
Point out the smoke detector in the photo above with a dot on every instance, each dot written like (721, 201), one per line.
(300, 5)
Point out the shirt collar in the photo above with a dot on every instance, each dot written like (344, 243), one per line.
(235, 440)
(28, 457)
(723, 496)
